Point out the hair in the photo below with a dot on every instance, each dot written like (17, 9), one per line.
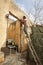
(7, 16)
(24, 17)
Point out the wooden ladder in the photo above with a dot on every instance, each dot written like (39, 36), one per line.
(33, 52)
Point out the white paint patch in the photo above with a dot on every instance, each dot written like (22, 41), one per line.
(12, 18)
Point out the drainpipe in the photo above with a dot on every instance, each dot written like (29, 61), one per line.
(20, 38)
(7, 16)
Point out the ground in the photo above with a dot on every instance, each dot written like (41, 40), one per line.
(14, 58)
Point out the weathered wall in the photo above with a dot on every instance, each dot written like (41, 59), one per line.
(14, 33)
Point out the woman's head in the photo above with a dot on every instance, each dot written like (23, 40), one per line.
(24, 17)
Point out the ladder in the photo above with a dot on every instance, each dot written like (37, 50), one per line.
(33, 52)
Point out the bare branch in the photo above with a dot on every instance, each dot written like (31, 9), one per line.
(38, 9)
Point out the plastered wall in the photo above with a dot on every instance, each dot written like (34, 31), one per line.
(3, 21)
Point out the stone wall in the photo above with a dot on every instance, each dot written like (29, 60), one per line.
(37, 40)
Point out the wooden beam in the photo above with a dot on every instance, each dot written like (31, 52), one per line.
(14, 15)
